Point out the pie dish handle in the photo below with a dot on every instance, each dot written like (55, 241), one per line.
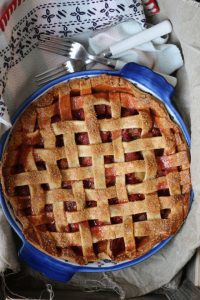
(53, 269)
(154, 82)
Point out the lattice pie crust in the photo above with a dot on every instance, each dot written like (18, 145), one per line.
(96, 169)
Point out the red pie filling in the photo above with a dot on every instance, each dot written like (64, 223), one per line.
(40, 165)
(90, 203)
(100, 247)
(106, 136)
(131, 134)
(38, 143)
(103, 111)
(78, 114)
(117, 246)
(108, 159)
(17, 169)
(132, 179)
(139, 217)
(55, 119)
(110, 181)
(26, 211)
(82, 138)
(166, 171)
(164, 166)
(51, 227)
(22, 190)
(128, 112)
(70, 206)
(36, 125)
(59, 140)
(136, 197)
(23, 202)
(88, 183)
(156, 132)
(133, 156)
(42, 227)
(72, 228)
(77, 250)
(141, 241)
(48, 208)
(45, 186)
(163, 192)
(116, 220)
(97, 224)
(62, 164)
(113, 201)
(66, 185)
(159, 152)
(85, 161)
(165, 213)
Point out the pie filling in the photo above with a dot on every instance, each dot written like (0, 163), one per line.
(162, 167)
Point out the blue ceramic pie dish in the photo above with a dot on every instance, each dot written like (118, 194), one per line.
(61, 270)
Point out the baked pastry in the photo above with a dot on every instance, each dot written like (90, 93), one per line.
(96, 169)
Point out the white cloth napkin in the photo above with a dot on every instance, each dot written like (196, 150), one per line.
(161, 57)
(8, 257)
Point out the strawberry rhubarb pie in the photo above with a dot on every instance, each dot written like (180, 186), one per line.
(96, 169)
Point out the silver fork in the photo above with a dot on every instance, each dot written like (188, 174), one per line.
(69, 66)
(74, 50)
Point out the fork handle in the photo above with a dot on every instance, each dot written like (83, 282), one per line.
(116, 63)
(142, 37)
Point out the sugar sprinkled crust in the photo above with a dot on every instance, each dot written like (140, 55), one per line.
(96, 169)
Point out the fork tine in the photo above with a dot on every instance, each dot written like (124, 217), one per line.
(59, 70)
(58, 40)
(43, 74)
(56, 46)
(58, 43)
(54, 37)
(42, 82)
(63, 53)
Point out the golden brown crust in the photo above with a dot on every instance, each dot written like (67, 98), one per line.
(96, 169)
